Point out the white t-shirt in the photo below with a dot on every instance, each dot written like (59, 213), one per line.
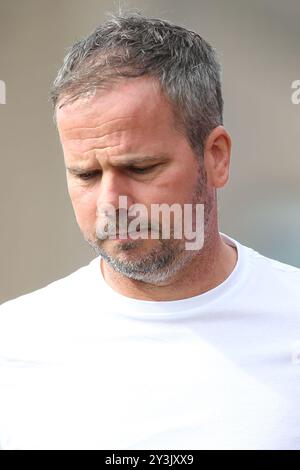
(84, 367)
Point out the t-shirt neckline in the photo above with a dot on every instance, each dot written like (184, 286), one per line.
(138, 308)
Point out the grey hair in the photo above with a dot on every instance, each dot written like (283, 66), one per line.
(131, 45)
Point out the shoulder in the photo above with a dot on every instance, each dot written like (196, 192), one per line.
(277, 267)
(279, 278)
(264, 265)
(43, 305)
(266, 280)
(36, 325)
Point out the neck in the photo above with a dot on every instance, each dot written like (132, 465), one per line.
(209, 268)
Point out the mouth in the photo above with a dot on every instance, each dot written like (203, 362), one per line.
(127, 236)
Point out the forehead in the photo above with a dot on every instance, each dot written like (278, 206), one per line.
(134, 102)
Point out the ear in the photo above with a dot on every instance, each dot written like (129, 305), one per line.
(217, 151)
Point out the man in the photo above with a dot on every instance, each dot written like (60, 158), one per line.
(152, 345)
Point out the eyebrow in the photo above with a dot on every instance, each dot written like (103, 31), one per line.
(75, 170)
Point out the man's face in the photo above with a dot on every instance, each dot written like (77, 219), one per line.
(123, 142)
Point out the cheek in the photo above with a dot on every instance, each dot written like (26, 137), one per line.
(178, 187)
(85, 205)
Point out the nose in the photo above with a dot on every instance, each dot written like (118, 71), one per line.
(113, 185)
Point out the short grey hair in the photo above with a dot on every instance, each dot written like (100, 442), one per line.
(132, 45)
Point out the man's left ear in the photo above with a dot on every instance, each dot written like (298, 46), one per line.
(217, 151)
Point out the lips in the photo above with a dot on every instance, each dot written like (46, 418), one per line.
(128, 234)
(124, 235)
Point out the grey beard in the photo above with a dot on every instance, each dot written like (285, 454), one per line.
(163, 261)
(155, 267)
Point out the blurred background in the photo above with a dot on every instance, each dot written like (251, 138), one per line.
(259, 46)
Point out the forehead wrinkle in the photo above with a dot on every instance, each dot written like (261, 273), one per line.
(86, 132)
(105, 142)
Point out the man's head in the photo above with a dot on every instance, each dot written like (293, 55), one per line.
(132, 45)
(138, 88)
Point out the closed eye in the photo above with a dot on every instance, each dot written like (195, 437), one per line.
(140, 170)
(87, 176)
(92, 174)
